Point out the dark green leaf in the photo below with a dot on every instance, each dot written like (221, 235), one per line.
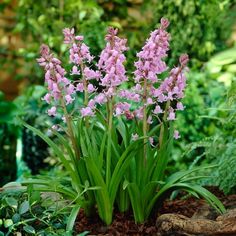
(24, 207)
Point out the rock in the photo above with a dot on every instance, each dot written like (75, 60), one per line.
(205, 212)
(230, 214)
(175, 224)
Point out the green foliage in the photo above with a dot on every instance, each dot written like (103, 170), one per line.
(36, 27)
(201, 27)
(222, 66)
(126, 169)
(225, 175)
(8, 140)
(29, 212)
(206, 23)
(205, 98)
(219, 146)
(34, 113)
(223, 149)
(203, 91)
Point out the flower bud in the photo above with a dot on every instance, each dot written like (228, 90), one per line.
(164, 23)
(183, 60)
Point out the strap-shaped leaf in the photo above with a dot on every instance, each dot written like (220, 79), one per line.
(121, 167)
(56, 150)
(72, 217)
(136, 202)
(102, 196)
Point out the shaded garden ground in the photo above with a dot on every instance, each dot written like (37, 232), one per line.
(123, 224)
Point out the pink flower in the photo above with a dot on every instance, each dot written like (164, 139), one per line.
(134, 137)
(121, 108)
(139, 113)
(176, 134)
(149, 120)
(164, 23)
(171, 115)
(91, 103)
(118, 111)
(91, 88)
(172, 87)
(75, 71)
(47, 98)
(70, 89)
(79, 52)
(58, 85)
(110, 92)
(87, 111)
(52, 111)
(100, 98)
(183, 60)
(91, 74)
(80, 87)
(79, 38)
(68, 35)
(179, 106)
(69, 99)
(157, 110)
(151, 141)
(149, 101)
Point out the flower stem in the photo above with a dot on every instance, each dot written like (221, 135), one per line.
(85, 92)
(70, 129)
(163, 124)
(145, 121)
(108, 160)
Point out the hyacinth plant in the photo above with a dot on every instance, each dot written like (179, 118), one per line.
(117, 141)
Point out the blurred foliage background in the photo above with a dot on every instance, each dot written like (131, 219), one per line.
(205, 29)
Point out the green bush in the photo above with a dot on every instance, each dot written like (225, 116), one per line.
(28, 212)
(214, 141)
(201, 27)
(8, 140)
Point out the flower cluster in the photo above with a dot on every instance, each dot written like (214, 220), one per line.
(112, 59)
(60, 89)
(153, 97)
(149, 90)
(111, 67)
(80, 57)
(172, 88)
(149, 65)
(150, 61)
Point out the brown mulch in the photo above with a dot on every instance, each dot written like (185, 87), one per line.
(123, 223)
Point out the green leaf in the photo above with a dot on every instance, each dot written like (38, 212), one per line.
(24, 207)
(208, 196)
(72, 217)
(35, 197)
(136, 202)
(83, 234)
(8, 223)
(16, 218)
(67, 163)
(29, 229)
(104, 203)
(122, 165)
(12, 202)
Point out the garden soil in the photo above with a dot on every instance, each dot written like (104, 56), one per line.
(183, 216)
